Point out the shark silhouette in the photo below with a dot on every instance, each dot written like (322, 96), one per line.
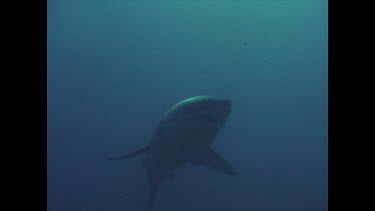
(184, 135)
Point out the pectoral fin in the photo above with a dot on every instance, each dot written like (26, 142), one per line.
(135, 153)
(211, 159)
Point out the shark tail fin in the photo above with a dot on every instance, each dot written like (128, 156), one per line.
(152, 196)
(213, 160)
(132, 154)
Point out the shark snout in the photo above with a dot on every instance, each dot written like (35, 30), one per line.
(227, 104)
(224, 107)
(221, 110)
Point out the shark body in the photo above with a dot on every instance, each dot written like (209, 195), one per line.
(184, 135)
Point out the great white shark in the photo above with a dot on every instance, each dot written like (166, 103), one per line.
(184, 135)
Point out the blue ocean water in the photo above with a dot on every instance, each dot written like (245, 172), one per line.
(115, 67)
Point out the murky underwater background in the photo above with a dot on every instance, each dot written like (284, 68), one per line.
(115, 67)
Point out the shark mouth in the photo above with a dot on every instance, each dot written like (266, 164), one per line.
(209, 118)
